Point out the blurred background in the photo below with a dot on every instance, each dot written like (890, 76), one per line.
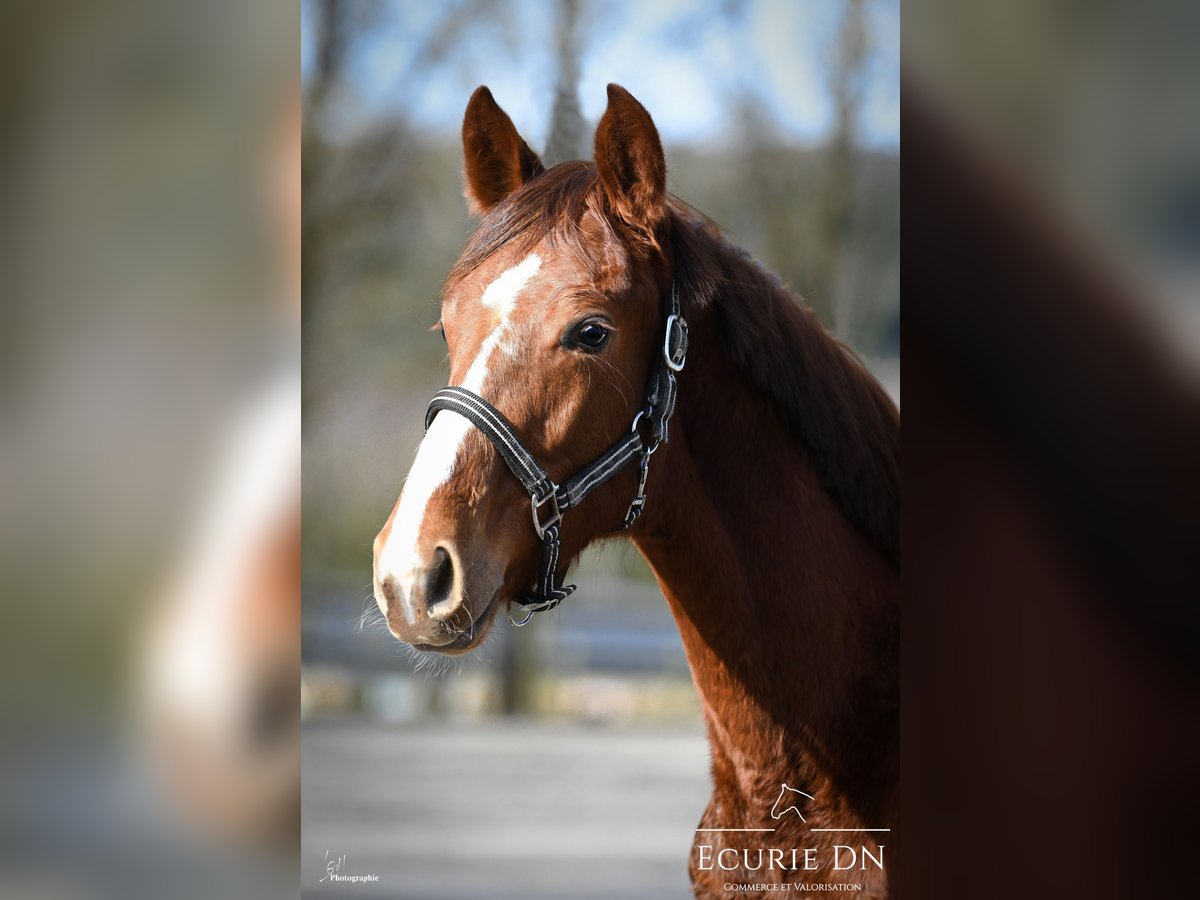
(781, 121)
(149, 449)
(1051, 432)
(1091, 107)
(150, 278)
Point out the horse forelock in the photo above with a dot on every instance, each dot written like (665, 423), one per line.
(550, 206)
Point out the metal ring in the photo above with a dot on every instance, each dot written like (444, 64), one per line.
(524, 621)
(644, 412)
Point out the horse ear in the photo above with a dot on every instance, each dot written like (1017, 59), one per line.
(497, 161)
(630, 160)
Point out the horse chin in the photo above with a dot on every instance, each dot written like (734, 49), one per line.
(471, 637)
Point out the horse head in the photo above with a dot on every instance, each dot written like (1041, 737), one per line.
(551, 315)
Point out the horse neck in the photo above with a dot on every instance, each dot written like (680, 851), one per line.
(789, 615)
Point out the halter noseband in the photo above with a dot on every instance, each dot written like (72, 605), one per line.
(550, 501)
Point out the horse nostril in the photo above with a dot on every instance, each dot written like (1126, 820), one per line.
(439, 579)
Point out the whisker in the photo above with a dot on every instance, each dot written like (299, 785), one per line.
(610, 367)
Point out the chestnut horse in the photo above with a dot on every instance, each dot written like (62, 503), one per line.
(771, 510)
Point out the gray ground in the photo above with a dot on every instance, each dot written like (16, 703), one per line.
(501, 809)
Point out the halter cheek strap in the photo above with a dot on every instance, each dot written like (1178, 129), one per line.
(549, 501)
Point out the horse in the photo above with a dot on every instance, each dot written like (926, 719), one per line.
(623, 369)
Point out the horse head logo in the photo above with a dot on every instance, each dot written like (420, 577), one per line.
(789, 800)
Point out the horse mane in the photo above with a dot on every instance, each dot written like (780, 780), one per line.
(826, 398)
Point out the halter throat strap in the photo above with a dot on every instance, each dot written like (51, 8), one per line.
(550, 501)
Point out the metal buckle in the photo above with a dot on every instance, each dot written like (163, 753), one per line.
(555, 516)
(673, 322)
(639, 500)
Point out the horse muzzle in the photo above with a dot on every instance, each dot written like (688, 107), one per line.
(427, 606)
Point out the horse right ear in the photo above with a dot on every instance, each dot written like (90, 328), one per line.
(629, 157)
(496, 160)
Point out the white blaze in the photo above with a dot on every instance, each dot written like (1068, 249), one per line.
(438, 453)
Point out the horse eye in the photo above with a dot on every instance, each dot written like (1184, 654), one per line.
(591, 335)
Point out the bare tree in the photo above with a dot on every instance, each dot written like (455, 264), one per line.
(565, 140)
(846, 78)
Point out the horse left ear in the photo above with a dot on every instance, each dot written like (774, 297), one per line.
(497, 160)
(630, 160)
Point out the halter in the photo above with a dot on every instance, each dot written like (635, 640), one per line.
(550, 501)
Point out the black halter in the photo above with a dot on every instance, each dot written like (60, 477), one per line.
(551, 501)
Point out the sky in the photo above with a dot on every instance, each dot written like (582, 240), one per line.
(686, 61)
